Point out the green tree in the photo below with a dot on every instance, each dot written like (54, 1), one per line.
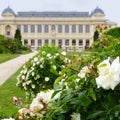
(115, 32)
(18, 35)
(96, 35)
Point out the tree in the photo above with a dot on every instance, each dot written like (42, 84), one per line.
(96, 35)
(18, 35)
(115, 32)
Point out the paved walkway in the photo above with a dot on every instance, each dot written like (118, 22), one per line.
(10, 67)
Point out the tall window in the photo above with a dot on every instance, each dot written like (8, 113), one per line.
(87, 28)
(39, 28)
(87, 42)
(33, 42)
(52, 27)
(66, 42)
(19, 27)
(60, 43)
(59, 28)
(80, 42)
(25, 28)
(80, 28)
(66, 28)
(39, 42)
(32, 28)
(53, 41)
(25, 42)
(73, 42)
(46, 29)
(73, 28)
(46, 41)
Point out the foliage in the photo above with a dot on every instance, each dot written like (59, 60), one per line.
(115, 32)
(41, 72)
(18, 35)
(96, 35)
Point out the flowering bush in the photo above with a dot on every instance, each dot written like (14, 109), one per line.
(82, 94)
(41, 72)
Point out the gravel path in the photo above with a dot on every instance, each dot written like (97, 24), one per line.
(10, 67)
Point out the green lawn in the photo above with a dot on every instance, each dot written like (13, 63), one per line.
(6, 57)
(7, 91)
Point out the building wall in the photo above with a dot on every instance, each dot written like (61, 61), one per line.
(9, 25)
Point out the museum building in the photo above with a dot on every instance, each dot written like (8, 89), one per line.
(69, 30)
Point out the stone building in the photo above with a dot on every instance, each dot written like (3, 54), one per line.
(69, 30)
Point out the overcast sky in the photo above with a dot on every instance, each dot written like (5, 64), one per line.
(111, 8)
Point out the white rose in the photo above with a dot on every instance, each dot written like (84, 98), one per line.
(110, 77)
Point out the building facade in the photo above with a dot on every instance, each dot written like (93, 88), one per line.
(69, 30)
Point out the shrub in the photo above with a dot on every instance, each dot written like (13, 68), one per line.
(41, 72)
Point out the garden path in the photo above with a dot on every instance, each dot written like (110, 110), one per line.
(10, 67)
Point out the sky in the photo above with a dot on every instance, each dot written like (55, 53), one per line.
(111, 8)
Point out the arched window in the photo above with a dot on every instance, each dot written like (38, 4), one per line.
(73, 42)
(8, 30)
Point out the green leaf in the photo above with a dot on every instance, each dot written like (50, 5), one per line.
(92, 94)
(95, 114)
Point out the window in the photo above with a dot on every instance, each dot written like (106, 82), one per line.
(52, 27)
(66, 28)
(73, 42)
(25, 28)
(25, 42)
(53, 41)
(80, 28)
(46, 29)
(33, 42)
(73, 28)
(87, 28)
(80, 42)
(32, 28)
(59, 28)
(19, 27)
(46, 41)
(87, 42)
(67, 42)
(60, 43)
(39, 42)
(39, 28)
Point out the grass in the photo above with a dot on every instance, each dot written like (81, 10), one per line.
(6, 57)
(7, 91)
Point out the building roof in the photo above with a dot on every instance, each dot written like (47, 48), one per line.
(8, 10)
(97, 10)
(53, 14)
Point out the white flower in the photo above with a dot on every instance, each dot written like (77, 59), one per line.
(75, 116)
(33, 86)
(47, 79)
(41, 66)
(54, 67)
(35, 59)
(25, 71)
(77, 79)
(43, 52)
(63, 53)
(83, 72)
(23, 77)
(109, 74)
(33, 74)
(36, 106)
(22, 111)
(8, 119)
(48, 55)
